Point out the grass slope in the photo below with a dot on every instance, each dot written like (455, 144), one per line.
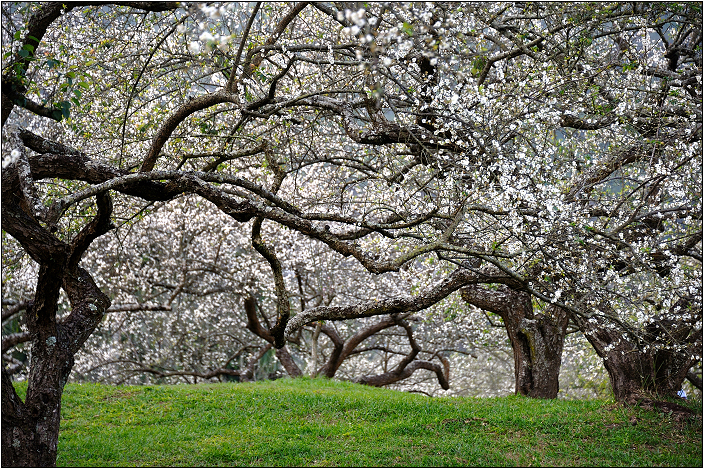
(318, 422)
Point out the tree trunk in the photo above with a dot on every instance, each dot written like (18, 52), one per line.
(536, 339)
(343, 349)
(248, 374)
(286, 360)
(653, 364)
(313, 369)
(30, 429)
(253, 324)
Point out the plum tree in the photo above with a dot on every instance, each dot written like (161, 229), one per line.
(551, 149)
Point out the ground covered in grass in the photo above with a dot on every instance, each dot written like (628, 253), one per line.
(306, 422)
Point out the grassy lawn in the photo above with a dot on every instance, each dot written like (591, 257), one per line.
(308, 422)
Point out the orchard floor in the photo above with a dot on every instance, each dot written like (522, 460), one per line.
(319, 422)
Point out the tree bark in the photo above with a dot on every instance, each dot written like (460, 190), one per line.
(313, 371)
(653, 364)
(342, 349)
(286, 360)
(248, 374)
(695, 380)
(536, 338)
(30, 429)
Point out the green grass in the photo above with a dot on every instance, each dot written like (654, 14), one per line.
(308, 422)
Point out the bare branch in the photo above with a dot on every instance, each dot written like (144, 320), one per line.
(255, 58)
(10, 340)
(179, 115)
(15, 309)
(232, 80)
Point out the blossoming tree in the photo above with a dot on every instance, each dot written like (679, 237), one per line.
(552, 149)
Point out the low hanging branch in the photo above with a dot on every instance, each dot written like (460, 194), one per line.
(276, 210)
(146, 185)
(245, 374)
(453, 282)
(409, 364)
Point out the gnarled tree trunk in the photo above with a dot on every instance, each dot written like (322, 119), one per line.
(30, 429)
(654, 363)
(536, 338)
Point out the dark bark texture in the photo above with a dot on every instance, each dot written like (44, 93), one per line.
(654, 363)
(536, 338)
(30, 429)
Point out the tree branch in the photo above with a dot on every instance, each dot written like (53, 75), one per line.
(252, 61)
(453, 282)
(179, 115)
(232, 80)
(14, 309)
(10, 340)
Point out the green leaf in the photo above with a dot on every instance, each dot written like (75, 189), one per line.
(83, 84)
(18, 35)
(24, 52)
(65, 109)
